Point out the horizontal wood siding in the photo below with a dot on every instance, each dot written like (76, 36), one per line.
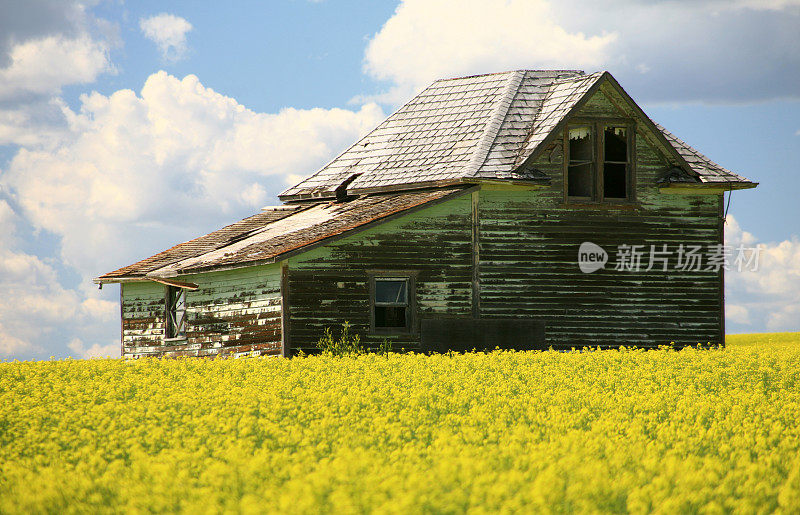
(329, 285)
(529, 258)
(231, 312)
(142, 315)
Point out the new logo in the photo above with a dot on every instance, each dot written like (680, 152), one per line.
(591, 257)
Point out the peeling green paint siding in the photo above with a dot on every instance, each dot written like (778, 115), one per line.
(329, 285)
(529, 267)
(529, 258)
(232, 312)
(600, 105)
(142, 315)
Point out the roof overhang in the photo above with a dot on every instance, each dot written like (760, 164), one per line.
(147, 279)
(706, 188)
(121, 279)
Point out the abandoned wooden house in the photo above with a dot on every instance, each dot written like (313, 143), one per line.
(485, 212)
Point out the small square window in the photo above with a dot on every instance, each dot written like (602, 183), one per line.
(391, 304)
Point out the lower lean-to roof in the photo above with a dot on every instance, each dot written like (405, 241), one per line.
(277, 232)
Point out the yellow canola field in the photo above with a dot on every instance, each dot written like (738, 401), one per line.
(659, 431)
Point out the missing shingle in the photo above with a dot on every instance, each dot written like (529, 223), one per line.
(341, 190)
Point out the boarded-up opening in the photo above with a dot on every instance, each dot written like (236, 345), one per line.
(466, 334)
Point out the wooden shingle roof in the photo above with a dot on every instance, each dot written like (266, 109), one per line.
(197, 246)
(472, 128)
(708, 170)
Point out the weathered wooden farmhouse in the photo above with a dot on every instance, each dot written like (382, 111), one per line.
(524, 209)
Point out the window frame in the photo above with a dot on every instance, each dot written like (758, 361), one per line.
(597, 128)
(410, 277)
(170, 333)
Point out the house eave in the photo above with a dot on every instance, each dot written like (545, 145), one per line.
(706, 188)
(121, 279)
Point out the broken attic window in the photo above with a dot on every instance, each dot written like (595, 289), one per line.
(176, 312)
(615, 164)
(599, 161)
(580, 170)
(390, 303)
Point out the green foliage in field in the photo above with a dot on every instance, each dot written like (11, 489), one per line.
(346, 344)
(665, 431)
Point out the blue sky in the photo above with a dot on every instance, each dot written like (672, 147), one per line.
(128, 127)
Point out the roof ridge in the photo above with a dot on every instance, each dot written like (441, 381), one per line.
(562, 80)
(492, 128)
(519, 70)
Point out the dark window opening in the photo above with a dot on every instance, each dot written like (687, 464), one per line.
(580, 181)
(615, 165)
(615, 179)
(598, 162)
(390, 316)
(391, 303)
(176, 312)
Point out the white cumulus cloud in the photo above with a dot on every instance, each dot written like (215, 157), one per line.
(767, 295)
(44, 66)
(660, 51)
(46, 45)
(33, 303)
(430, 39)
(168, 32)
(139, 172)
(736, 313)
(96, 350)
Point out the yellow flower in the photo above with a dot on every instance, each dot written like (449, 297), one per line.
(657, 431)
